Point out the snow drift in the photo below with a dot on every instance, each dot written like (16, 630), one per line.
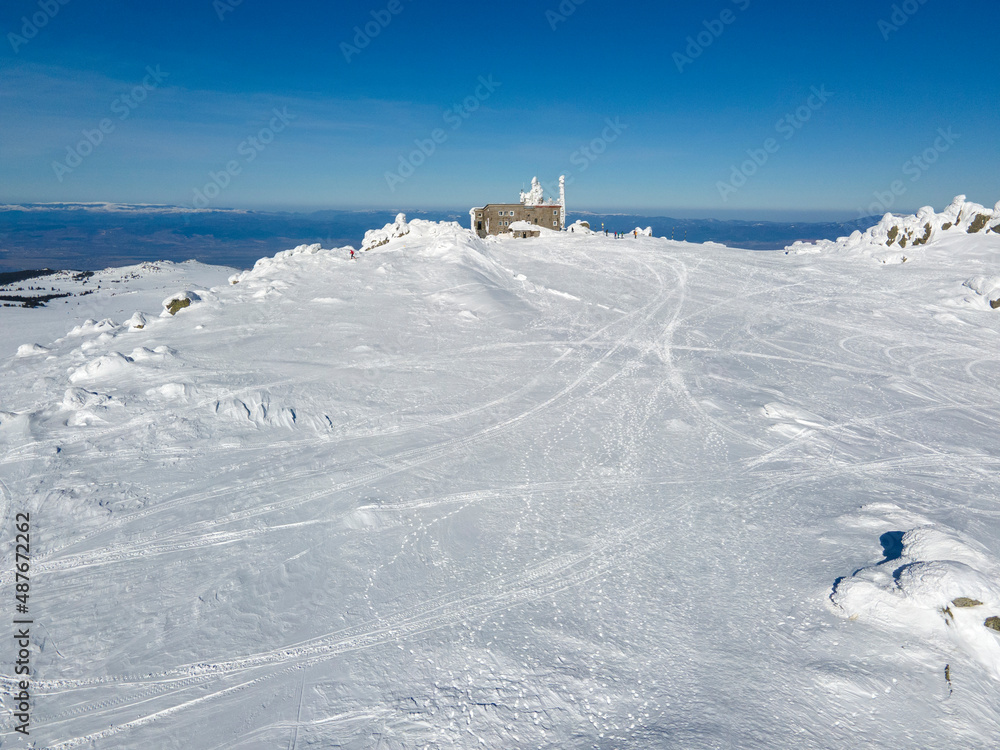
(935, 584)
(572, 492)
(894, 234)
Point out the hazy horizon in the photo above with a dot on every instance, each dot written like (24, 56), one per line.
(749, 214)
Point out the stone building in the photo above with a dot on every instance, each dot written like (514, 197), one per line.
(497, 218)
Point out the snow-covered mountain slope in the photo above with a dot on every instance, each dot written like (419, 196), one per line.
(114, 293)
(571, 492)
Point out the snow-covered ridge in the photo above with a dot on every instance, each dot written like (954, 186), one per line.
(492, 287)
(894, 233)
(419, 228)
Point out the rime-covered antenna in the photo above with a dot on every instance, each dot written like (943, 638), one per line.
(562, 200)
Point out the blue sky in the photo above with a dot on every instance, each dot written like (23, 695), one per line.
(696, 109)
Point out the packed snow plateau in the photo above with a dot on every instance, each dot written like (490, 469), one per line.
(564, 492)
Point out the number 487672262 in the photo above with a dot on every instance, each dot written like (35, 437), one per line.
(23, 562)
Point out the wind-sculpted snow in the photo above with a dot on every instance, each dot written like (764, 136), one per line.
(934, 584)
(572, 491)
(895, 238)
(417, 228)
(960, 241)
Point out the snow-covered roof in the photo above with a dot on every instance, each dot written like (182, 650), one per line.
(521, 226)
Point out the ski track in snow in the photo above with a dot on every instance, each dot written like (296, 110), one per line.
(403, 461)
(592, 426)
(542, 581)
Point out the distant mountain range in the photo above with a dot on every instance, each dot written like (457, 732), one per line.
(92, 236)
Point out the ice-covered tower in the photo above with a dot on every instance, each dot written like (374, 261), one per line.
(535, 196)
(562, 201)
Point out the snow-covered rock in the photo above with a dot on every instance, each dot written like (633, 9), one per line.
(137, 322)
(987, 288)
(29, 350)
(179, 301)
(378, 237)
(103, 367)
(962, 243)
(896, 237)
(936, 585)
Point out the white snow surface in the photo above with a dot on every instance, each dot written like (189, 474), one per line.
(104, 299)
(476, 493)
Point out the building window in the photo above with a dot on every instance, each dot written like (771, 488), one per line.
(555, 223)
(555, 213)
